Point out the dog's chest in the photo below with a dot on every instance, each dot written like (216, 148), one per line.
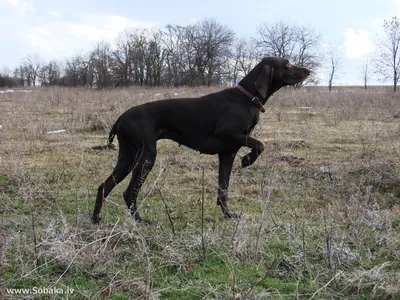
(254, 120)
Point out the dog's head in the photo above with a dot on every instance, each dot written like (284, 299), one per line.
(271, 74)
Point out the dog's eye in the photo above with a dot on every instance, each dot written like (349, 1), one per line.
(288, 65)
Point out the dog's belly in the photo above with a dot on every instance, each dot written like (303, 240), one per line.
(204, 144)
(208, 145)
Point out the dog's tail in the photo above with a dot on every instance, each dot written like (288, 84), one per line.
(112, 134)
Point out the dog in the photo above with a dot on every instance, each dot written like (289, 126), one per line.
(218, 123)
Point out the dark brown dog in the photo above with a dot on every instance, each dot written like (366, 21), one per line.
(218, 123)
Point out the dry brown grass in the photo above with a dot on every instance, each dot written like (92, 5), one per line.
(320, 207)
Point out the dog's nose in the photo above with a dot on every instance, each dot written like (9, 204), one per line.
(307, 71)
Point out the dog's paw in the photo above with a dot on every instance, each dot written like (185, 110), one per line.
(246, 161)
(96, 219)
(144, 222)
(249, 159)
(230, 215)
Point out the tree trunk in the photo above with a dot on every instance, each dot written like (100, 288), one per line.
(331, 79)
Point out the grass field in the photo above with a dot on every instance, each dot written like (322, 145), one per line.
(321, 206)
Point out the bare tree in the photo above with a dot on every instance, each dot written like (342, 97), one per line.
(31, 65)
(139, 46)
(277, 39)
(215, 42)
(306, 52)
(244, 57)
(334, 57)
(123, 55)
(72, 72)
(50, 74)
(27, 72)
(101, 57)
(387, 61)
(79, 71)
(19, 74)
(300, 44)
(174, 54)
(198, 54)
(154, 57)
(188, 36)
(43, 75)
(365, 69)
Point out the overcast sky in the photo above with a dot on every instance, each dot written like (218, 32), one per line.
(59, 29)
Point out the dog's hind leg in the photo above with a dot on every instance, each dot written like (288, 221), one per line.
(143, 166)
(121, 170)
(225, 168)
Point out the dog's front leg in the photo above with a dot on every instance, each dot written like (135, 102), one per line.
(243, 140)
(234, 127)
(225, 168)
(251, 157)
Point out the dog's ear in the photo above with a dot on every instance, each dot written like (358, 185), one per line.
(264, 80)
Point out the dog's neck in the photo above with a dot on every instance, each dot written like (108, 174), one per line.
(253, 98)
(272, 90)
(253, 91)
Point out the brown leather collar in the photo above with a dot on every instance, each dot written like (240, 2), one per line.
(254, 99)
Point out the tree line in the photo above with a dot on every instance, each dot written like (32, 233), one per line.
(205, 53)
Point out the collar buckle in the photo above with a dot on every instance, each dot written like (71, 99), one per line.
(253, 99)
